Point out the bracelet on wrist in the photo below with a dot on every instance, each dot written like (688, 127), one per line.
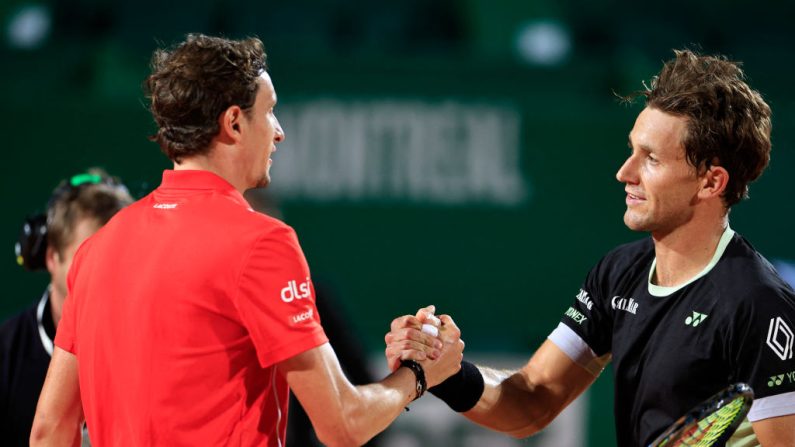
(419, 374)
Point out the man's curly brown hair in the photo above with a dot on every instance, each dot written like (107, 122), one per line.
(728, 123)
(194, 82)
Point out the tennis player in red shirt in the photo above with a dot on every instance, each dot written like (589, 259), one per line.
(190, 316)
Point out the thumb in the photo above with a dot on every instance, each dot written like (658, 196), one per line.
(426, 312)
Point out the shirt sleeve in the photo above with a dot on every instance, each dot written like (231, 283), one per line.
(762, 353)
(588, 316)
(276, 298)
(65, 334)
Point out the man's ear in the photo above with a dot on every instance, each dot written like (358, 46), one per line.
(51, 259)
(714, 182)
(230, 124)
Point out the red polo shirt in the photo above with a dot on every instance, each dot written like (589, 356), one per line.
(179, 310)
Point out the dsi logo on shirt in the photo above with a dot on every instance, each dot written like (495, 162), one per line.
(295, 291)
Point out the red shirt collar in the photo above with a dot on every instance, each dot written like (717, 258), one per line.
(196, 179)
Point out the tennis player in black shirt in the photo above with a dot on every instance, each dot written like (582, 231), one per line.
(683, 313)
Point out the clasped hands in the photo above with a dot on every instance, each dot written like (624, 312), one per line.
(440, 355)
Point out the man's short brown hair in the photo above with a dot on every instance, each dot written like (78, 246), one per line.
(194, 82)
(728, 123)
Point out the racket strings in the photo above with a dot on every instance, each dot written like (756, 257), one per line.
(709, 429)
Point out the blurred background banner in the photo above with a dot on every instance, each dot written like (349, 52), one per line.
(460, 153)
(401, 151)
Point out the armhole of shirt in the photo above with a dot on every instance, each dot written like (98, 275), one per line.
(578, 350)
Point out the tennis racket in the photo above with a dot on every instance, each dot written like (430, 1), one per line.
(711, 423)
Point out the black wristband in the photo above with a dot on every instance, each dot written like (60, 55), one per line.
(462, 390)
(419, 373)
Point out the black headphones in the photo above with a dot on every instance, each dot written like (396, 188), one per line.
(31, 248)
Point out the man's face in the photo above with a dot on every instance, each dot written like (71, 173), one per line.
(661, 185)
(262, 134)
(59, 263)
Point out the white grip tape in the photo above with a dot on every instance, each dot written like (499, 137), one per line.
(430, 330)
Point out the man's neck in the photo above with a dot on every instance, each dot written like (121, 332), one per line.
(683, 253)
(213, 161)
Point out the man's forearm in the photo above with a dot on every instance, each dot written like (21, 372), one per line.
(378, 404)
(59, 412)
(53, 434)
(343, 414)
(521, 403)
(510, 404)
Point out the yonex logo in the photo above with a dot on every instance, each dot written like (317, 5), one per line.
(775, 380)
(778, 379)
(780, 338)
(695, 319)
(576, 316)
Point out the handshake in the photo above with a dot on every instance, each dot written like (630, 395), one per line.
(433, 342)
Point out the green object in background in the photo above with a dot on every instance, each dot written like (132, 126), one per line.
(79, 179)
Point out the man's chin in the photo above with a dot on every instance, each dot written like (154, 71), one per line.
(264, 182)
(633, 224)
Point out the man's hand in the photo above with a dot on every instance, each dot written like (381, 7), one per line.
(449, 362)
(407, 341)
(440, 356)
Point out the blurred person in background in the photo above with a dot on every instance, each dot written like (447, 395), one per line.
(212, 319)
(78, 207)
(682, 314)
